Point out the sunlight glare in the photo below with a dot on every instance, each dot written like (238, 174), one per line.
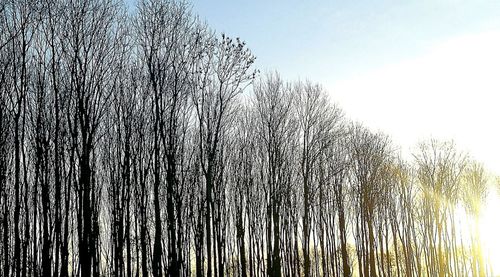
(489, 229)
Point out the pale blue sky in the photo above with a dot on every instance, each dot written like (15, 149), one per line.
(330, 40)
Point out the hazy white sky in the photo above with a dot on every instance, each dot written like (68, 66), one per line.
(412, 69)
(450, 91)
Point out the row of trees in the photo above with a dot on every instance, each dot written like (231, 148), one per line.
(144, 144)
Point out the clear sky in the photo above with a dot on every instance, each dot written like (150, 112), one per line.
(412, 69)
(333, 40)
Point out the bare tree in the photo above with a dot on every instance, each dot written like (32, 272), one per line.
(92, 42)
(276, 130)
(318, 129)
(224, 71)
(369, 154)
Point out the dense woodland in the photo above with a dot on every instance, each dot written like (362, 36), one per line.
(140, 142)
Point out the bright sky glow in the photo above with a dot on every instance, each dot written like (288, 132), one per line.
(452, 91)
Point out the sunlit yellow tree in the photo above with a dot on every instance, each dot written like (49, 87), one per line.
(474, 192)
(439, 169)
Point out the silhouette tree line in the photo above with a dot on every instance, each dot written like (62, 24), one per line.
(143, 143)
